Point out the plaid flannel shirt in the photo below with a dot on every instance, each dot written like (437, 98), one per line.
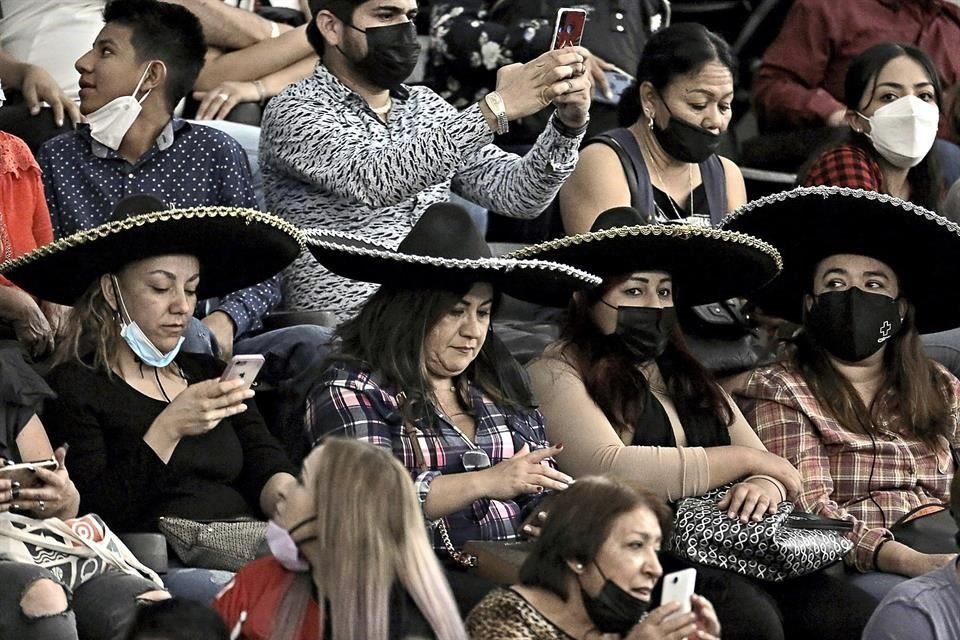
(360, 405)
(845, 166)
(839, 468)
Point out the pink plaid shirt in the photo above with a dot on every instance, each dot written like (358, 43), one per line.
(843, 469)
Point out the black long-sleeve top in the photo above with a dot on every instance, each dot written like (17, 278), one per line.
(215, 476)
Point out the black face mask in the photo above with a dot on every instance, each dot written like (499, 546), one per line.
(853, 325)
(392, 53)
(613, 610)
(686, 142)
(644, 331)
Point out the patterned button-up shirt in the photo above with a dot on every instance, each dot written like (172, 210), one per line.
(846, 474)
(329, 161)
(189, 166)
(357, 404)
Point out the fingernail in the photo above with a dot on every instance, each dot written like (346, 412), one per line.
(609, 95)
(560, 446)
(527, 529)
(34, 111)
(731, 514)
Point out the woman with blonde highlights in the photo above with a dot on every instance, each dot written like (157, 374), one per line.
(350, 529)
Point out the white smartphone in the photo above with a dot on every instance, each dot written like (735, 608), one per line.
(568, 30)
(246, 367)
(25, 472)
(678, 587)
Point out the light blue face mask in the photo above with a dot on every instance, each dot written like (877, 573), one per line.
(138, 341)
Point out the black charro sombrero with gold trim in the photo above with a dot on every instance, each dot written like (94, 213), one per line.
(706, 264)
(444, 250)
(236, 248)
(809, 224)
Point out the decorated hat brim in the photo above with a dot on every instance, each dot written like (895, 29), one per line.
(706, 265)
(236, 248)
(539, 281)
(808, 224)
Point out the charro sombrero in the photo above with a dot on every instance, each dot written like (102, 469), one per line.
(809, 224)
(444, 250)
(236, 248)
(706, 264)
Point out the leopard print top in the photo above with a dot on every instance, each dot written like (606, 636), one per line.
(504, 613)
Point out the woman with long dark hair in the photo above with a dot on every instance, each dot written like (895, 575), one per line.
(868, 419)
(893, 96)
(420, 372)
(664, 162)
(625, 397)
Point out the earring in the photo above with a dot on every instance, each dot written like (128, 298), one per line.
(579, 567)
(649, 121)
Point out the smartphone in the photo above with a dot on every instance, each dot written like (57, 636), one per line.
(678, 587)
(25, 472)
(246, 367)
(568, 31)
(619, 81)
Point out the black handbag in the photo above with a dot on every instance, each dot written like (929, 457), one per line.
(783, 545)
(929, 528)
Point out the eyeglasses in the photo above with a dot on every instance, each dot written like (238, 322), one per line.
(475, 459)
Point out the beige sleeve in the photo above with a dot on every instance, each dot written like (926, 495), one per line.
(741, 432)
(592, 445)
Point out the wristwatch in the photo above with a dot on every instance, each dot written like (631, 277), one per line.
(495, 103)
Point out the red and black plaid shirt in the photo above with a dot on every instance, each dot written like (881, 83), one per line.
(845, 166)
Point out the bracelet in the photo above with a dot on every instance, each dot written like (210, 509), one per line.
(568, 131)
(261, 91)
(771, 481)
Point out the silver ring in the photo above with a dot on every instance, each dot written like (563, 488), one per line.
(15, 491)
(42, 506)
(223, 96)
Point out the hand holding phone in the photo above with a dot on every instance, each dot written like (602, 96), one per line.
(245, 367)
(678, 587)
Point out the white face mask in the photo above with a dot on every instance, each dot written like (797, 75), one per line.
(110, 123)
(903, 132)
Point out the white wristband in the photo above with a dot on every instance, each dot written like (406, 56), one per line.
(274, 29)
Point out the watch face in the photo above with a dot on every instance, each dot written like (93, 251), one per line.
(494, 102)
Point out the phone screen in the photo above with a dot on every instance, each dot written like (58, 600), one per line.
(569, 28)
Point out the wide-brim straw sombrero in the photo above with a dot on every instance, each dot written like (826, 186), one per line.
(236, 248)
(706, 265)
(444, 250)
(809, 224)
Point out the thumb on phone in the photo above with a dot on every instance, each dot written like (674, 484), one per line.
(61, 455)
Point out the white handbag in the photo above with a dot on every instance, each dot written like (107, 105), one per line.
(74, 550)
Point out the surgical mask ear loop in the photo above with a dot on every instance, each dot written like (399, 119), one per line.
(142, 79)
(122, 312)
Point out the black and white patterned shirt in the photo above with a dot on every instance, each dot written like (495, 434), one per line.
(329, 161)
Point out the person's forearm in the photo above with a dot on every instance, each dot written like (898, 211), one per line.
(731, 463)
(14, 302)
(280, 80)
(257, 61)
(227, 27)
(452, 493)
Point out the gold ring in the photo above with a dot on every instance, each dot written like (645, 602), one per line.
(543, 96)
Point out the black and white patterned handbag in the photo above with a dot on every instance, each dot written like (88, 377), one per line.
(783, 545)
